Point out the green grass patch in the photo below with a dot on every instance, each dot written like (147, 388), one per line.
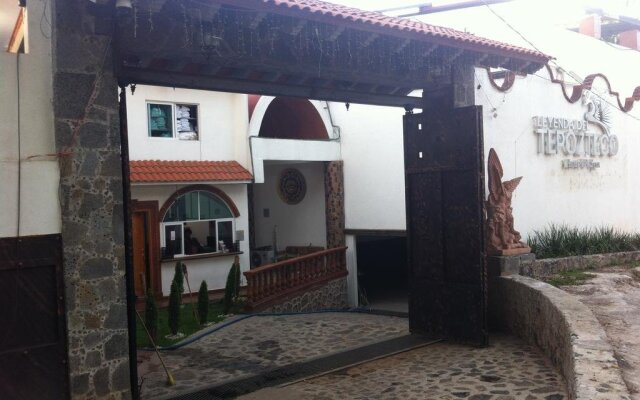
(569, 278)
(564, 241)
(188, 323)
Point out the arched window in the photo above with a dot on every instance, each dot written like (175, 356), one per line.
(197, 222)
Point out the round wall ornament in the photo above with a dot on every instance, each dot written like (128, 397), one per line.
(292, 186)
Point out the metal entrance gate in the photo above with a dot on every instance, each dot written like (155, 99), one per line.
(444, 195)
(33, 344)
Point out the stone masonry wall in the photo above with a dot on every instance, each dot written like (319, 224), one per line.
(332, 295)
(88, 143)
(334, 192)
(566, 331)
(546, 267)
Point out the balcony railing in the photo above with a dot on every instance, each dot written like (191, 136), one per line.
(271, 282)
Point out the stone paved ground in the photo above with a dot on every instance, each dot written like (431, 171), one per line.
(506, 370)
(614, 297)
(258, 344)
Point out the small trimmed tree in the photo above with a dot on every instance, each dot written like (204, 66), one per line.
(203, 303)
(151, 315)
(178, 277)
(174, 308)
(232, 288)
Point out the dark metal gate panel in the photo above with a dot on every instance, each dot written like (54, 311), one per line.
(33, 346)
(444, 195)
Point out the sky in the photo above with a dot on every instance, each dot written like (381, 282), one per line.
(549, 11)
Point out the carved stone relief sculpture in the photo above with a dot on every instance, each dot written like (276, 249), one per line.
(501, 239)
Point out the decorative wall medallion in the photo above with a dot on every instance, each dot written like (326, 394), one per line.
(292, 187)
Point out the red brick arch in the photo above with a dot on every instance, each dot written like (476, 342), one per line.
(292, 118)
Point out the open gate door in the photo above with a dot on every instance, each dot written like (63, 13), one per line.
(444, 180)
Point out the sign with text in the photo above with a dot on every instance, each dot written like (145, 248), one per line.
(588, 138)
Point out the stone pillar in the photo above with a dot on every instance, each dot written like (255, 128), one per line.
(88, 141)
(334, 203)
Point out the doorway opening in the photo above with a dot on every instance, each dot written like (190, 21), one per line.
(383, 272)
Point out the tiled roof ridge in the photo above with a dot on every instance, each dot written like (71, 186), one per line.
(156, 171)
(403, 24)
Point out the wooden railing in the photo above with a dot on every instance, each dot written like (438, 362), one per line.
(286, 278)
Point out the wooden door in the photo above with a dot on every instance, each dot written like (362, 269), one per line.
(141, 267)
(444, 178)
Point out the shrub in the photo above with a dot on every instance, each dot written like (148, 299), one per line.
(564, 241)
(151, 315)
(232, 288)
(203, 303)
(178, 277)
(174, 308)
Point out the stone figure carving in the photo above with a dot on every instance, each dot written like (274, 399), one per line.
(502, 238)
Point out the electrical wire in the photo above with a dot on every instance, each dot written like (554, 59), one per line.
(19, 132)
(8, 332)
(578, 79)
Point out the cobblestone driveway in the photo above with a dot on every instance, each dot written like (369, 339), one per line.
(259, 344)
(506, 370)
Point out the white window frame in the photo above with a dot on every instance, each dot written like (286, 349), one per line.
(174, 120)
(163, 242)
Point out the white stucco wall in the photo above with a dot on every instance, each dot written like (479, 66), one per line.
(223, 120)
(548, 193)
(26, 112)
(299, 224)
(213, 270)
(372, 150)
(265, 149)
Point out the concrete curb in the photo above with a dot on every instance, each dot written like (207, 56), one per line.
(566, 331)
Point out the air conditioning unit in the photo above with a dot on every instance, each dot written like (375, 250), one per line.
(262, 256)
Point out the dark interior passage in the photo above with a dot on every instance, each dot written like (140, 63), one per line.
(382, 272)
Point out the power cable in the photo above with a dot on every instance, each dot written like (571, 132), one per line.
(577, 78)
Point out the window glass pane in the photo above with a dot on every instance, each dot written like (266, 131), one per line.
(191, 206)
(187, 121)
(184, 208)
(176, 212)
(211, 207)
(196, 238)
(160, 120)
(225, 234)
(172, 240)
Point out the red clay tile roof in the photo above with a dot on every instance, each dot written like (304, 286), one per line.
(155, 171)
(441, 35)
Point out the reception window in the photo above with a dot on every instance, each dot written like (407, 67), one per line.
(197, 222)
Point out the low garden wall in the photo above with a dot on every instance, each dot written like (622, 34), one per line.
(550, 266)
(566, 331)
(527, 265)
(326, 296)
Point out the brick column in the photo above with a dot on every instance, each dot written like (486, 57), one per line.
(87, 136)
(334, 203)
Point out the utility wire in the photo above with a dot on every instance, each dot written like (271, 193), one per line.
(575, 76)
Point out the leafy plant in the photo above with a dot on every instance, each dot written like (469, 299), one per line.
(151, 315)
(203, 303)
(178, 277)
(174, 308)
(564, 241)
(232, 287)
